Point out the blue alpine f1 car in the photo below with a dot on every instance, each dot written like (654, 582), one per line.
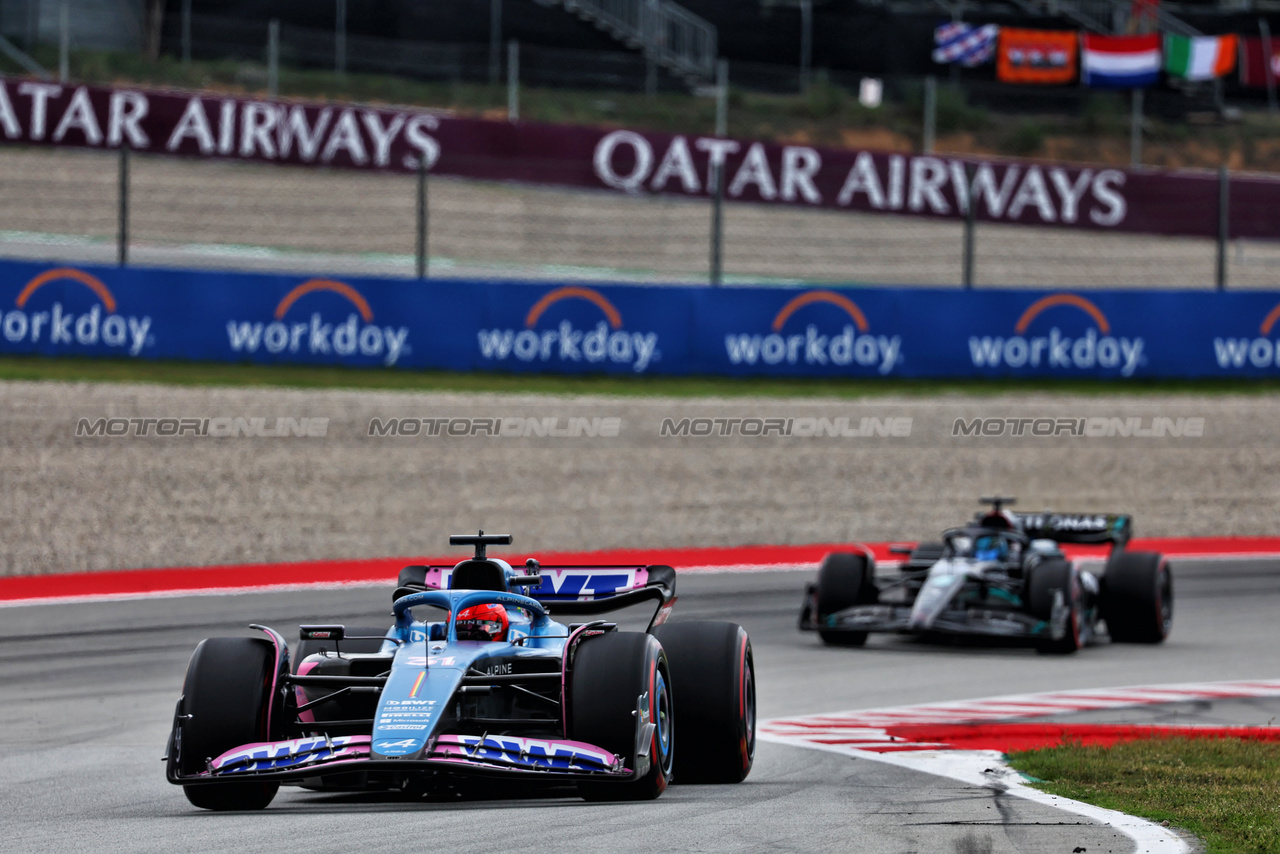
(1003, 576)
(479, 677)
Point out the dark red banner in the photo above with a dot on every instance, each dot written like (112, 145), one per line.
(634, 162)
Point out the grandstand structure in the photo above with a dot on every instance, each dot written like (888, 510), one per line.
(681, 38)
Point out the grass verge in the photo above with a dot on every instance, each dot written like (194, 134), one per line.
(1225, 791)
(318, 376)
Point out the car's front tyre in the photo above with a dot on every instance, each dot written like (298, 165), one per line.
(844, 580)
(1137, 597)
(620, 680)
(225, 704)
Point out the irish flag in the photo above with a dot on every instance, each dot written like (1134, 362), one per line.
(1199, 57)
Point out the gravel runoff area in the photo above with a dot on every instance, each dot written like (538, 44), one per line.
(610, 479)
(62, 205)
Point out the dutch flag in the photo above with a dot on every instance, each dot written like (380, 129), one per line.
(1120, 62)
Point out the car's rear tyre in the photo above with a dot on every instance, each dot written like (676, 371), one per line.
(1046, 579)
(844, 580)
(713, 681)
(225, 703)
(1137, 597)
(610, 675)
(367, 639)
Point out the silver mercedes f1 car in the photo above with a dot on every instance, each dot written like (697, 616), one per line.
(1003, 576)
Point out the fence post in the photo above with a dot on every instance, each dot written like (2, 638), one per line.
(64, 41)
(31, 18)
(273, 58)
(340, 39)
(1135, 128)
(806, 44)
(186, 32)
(495, 41)
(722, 98)
(930, 113)
(970, 217)
(513, 81)
(1265, 29)
(422, 217)
(717, 225)
(648, 18)
(1224, 224)
(122, 246)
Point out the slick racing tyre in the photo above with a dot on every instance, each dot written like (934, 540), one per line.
(713, 680)
(1046, 579)
(361, 639)
(225, 702)
(615, 675)
(1137, 597)
(844, 580)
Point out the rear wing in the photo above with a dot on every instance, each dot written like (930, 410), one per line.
(572, 590)
(1083, 528)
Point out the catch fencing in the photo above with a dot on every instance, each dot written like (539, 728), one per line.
(98, 182)
(72, 206)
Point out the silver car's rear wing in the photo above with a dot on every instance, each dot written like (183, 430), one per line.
(1083, 528)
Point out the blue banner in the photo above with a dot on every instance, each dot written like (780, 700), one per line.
(635, 330)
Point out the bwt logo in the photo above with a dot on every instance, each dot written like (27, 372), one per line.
(60, 326)
(607, 342)
(1260, 352)
(534, 753)
(572, 583)
(1096, 348)
(319, 338)
(584, 584)
(851, 346)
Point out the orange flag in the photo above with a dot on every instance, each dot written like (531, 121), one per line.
(1037, 56)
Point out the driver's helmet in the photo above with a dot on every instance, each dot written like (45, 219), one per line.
(483, 623)
(990, 547)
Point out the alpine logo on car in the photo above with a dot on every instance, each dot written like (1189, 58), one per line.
(852, 345)
(604, 343)
(1095, 348)
(1258, 352)
(357, 335)
(31, 321)
(397, 746)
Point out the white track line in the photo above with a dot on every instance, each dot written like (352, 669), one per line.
(862, 735)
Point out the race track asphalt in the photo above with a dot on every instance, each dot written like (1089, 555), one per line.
(87, 693)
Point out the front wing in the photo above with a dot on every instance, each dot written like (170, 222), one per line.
(302, 759)
(897, 618)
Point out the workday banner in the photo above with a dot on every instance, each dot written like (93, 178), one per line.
(629, 330)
